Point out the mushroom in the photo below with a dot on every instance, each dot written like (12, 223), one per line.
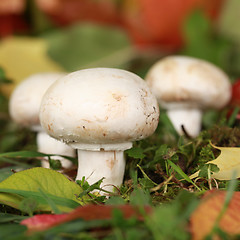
(24, 107)
(185, 86)
(100, 112)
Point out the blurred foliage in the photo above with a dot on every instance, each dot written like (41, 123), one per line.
(157, 168)
(87, 45)
(206, 42)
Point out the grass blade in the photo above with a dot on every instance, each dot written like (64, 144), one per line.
(180, 172)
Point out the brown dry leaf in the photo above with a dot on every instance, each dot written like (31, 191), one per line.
(204, 217)
(23, 56)
(228, 163)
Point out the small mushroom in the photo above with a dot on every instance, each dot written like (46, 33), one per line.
(185, 86)
(100, 112)
(24, 107)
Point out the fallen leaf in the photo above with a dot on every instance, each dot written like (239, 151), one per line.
(89, 212)
(42, 185)
(204, 217)
(43, 222)
(228, 163)
(22, 56)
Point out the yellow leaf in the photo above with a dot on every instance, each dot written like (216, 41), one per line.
(30, 182)
(228, 163)
(23, 56)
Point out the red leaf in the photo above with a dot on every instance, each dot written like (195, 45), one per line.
(235, 100)
(89, 212)
(148, 22)
(204, 217)
(43, 221)
(159, 22)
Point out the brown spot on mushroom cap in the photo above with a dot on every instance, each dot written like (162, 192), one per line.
(117, 97)
(108, 108)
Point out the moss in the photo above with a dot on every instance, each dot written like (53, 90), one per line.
(225, 136)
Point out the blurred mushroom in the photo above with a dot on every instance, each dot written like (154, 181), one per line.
(24, 109)
(184, 86)
(100, 112)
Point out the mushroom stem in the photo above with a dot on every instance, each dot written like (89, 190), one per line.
(189, 118)
(95, 165)
(49, 145)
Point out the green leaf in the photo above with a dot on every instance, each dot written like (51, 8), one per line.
(170, 221)
(204, 171)
(201, 42)
(162, 150)
(146, 177)
(196, 35)
(140, 197)
(115, 200)
(87, 189)
(135, 152)
(6, 217)
(88, 45)
(16, 163)
(55, 164)
(160, 153)
(50, 202)
(23, 154)
(32, 182)
(163, 153)
(28, 205)
(42, 199)
(165, 223)
(6, 172)
(29, 154)
(12, 232)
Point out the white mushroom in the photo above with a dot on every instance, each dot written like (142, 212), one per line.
(24, 108)
(184, 86)
(100, 112)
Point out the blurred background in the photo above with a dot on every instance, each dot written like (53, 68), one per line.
(68, 35)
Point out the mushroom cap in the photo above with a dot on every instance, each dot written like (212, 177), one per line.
(99, 106)
(26, 99)
(180, 81)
